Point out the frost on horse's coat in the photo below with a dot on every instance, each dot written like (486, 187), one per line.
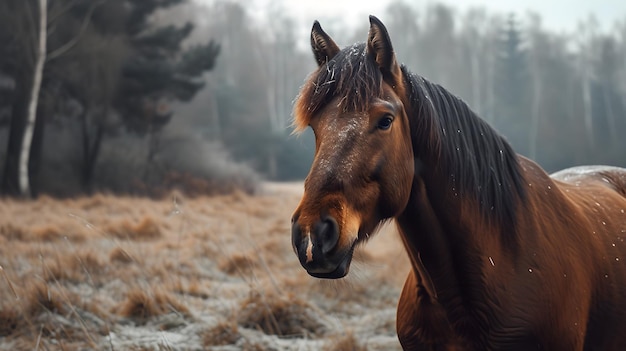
(504, 257)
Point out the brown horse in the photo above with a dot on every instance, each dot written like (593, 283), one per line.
(504, 257)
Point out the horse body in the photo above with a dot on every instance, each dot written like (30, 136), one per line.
(563, 289)
(504, 257)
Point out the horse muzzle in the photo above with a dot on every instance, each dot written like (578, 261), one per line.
(318, 248)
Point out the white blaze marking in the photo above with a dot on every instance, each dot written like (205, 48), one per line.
(309, 248)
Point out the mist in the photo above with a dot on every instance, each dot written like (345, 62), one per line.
(558, 97)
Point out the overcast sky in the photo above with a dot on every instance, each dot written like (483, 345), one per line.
(557, 15)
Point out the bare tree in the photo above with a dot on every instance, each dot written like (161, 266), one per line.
(537, 48)
(479, 37)
(586, 44)
(621, 81)
(607, 71)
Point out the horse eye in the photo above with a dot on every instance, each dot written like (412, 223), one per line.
(385, 122)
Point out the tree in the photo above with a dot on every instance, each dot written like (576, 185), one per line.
(538, 47)
(260, 77)
(438, 46)
(27, 55)
(403, 26)
(587, 44)
(17, 54)
(40, 58)
(103, 58)
(511, 89)
(479, 39)
(159, 71)
(607, 71)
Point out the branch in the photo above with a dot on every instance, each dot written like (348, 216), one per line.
(62, 11)
(70, 44)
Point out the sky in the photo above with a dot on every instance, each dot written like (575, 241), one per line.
(558, 15)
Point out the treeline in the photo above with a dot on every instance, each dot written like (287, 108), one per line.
(139, 96)
(559, 98)
(95, 97)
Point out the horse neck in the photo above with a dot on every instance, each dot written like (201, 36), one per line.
(439, 231)
(446, 226)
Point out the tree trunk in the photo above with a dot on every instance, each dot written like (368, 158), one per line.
(10, 177)
(27, 139)
(215, 129)
(154, 142)
(587, 112)
(476, 80)
(490, 74)
(610, 115)
(36, 151)
(534, 117)
(91, 151)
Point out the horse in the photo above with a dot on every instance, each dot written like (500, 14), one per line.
(503, 256)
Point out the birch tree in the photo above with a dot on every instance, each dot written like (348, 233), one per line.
(40, 58)
(32, 25)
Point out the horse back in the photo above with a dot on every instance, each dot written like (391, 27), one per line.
(610, 177)
(599, 194)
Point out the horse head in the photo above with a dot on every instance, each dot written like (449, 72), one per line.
(363, 166)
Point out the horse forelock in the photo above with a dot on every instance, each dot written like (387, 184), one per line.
(352, 76)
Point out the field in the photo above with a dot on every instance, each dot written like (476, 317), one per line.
(207, 273)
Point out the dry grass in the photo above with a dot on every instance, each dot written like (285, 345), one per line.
(125, 273)
(82, 266)
(10, 232)
(277, 315)
(48, 233)
(42, 298)
(9, 320)
(120, 255)
(141, 305)
(224, 333)
(345, 342)
(145, 229)
(237, 264)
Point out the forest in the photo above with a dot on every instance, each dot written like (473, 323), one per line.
(143, 96)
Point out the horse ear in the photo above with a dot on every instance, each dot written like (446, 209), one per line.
(324, 48)
(380, 49)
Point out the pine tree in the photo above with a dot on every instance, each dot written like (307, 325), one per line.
(108, 57)
(159, 71)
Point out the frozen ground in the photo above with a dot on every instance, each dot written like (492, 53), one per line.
(209, 273)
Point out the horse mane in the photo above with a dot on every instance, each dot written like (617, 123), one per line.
(479, 162)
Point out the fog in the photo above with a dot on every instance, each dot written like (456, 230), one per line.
(116, 116)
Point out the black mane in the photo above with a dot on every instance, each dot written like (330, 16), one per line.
(475, 158)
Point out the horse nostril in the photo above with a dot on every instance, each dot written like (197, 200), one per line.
(296, 235)
(327, 234)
